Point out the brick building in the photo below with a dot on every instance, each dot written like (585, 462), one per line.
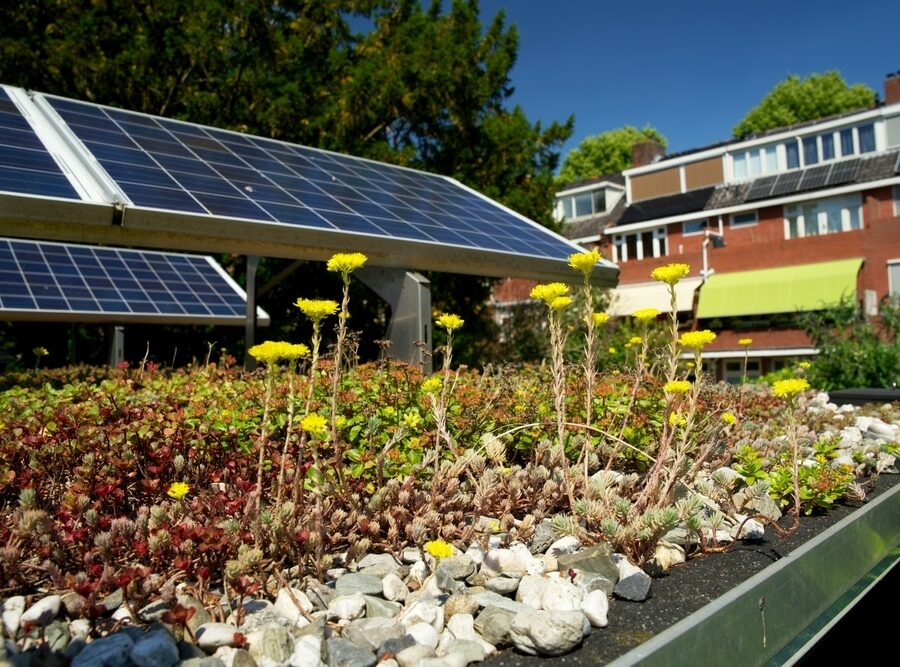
(788, 220)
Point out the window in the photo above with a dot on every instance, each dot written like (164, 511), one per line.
(693, 227)
(743, 219)
(847, 142)
(897, 200)
(734, 370)
(866, 138)
(828, 216)
(792, 152)
(810, 150)
(754, 162)
(640, 245)
(893, 267)
(581, 204)
(827, 146)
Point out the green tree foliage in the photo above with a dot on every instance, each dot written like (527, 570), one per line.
(605, 153)
(795, 100)
(854, 352)
(383, 79)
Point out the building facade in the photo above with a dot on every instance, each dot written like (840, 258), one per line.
(793, 219)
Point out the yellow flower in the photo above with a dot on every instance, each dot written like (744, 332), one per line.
(178, 490)
(728, 418)
(315, 424)
(345, 262)
(646, 315)
(600, 319)
(40, 351)
(432, 384)
(745, 342)
(584, 261)
(690, 364)
(789, 388)
(439, 548)
(412, 419)
(635, 340)
(294, 351)
(677, 419)
(677, 387)
(559, 303)
(449, 322)
(269, 352)
(611, 350)
(670, 273)
(317, 309)
(804, 365)
(546, 292)
(696, 340)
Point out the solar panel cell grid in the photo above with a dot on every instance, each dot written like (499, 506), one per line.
(40, 276)
(170, 165)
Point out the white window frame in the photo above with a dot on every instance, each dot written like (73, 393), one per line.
(847, 204)
(893, 289)
(739, 225)
(620, 245)
(572, 196)
(897, 200)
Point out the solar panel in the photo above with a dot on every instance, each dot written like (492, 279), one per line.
(175, 166)
(761, 188)
(787, 183)
(26, 167)
(814, 177)
(844, 172)
(57, 281)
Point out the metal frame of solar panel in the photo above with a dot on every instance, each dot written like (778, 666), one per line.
(48, 281)
(189, 187)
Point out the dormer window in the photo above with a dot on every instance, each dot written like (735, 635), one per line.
(581, 205)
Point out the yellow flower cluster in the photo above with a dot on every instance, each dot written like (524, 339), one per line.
(273, 351)
(635, 340)
(677, 387)
(745, 342)
(432, 384)
(584, 261)
(314, 423)
(559, 303)
(345, 262)
(178, 490)
(728, 418)
(449, 322)
(670, 273)
(600, 319)
(317, 309)
(646, 315)
(677, 419)
(696, 340)
(547, 292)
(439, 548)
(789, 388)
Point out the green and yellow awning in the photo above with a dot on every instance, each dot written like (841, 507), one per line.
(784, 289)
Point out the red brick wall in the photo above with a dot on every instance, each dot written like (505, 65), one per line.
(763, 245)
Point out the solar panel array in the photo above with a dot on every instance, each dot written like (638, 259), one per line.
(787, 183)
(186, 168)
(761, 188)
(122, 285)
(844, 172)
(25, 165)
(815, 177)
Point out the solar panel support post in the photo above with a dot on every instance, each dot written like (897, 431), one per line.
(116, 345)
(409, 295)
(250, 326)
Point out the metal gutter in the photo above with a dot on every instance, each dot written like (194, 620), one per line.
(777, 615)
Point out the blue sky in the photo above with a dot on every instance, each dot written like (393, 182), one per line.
(692, 68)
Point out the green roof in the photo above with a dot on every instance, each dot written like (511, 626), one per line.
(785, 289)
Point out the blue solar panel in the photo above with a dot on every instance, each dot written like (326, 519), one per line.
(175, 166)
(43, 280)
(25, 165)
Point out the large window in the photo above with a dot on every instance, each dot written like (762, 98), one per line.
(755, 162)
(827, 216)
(743, 219)
(640, 245)
(581, 205)
(734, 370)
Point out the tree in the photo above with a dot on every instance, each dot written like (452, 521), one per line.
(795, 100)
(606, 153)
(423, 87)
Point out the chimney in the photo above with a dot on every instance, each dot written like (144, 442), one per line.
(892, 88)
(648, 152)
